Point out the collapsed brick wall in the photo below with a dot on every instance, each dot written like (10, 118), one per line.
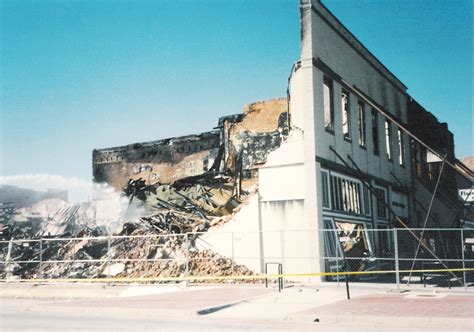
(250, 136)
(255, 134)
(163, 161)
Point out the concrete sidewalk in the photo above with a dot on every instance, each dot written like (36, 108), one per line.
(367, 306)
(404, 310)
(324, 304)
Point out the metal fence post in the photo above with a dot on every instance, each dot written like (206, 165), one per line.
(232, 250)
(108, 255)
(8, 261)
(282, 243)
(397, 266)
(463, 260)
(337, 258)
(145, 260)
(186, 241)
(41, 259)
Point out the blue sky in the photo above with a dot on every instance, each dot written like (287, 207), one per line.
(78, 75)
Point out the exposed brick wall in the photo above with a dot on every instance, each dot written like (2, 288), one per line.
(163, 161)
(258, 132)
(253, 134)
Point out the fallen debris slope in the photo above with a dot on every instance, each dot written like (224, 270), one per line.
(160, 243)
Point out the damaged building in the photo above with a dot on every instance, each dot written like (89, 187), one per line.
(241, 140)
(348, 150)
(370, 156)
(174, 190)
(316, 181)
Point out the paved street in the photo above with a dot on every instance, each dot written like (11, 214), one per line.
(18, 320)
(231, 308)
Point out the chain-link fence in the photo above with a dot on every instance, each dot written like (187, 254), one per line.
(397, 258)
(402, 257)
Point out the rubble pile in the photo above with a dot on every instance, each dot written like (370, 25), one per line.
(173, 260)
(152, 245)
(206, 262)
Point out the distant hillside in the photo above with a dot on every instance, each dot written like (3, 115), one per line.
(22, 197)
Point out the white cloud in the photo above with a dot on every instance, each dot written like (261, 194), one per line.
(79, 190)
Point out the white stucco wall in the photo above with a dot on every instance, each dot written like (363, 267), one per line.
(273, 226)
(341, 52)
(238, 239)
(328, 50)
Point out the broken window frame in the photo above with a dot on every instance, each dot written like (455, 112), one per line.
(354, 260)
(339, 226)
(328, 105)
(401, 149)
(347, 194)
(346, 115)
(362, 129)
(388, 140)
(375, 133)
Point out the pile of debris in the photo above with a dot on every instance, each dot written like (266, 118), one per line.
(191, 204)
(160, 243)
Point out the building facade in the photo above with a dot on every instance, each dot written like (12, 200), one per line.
(360, 165)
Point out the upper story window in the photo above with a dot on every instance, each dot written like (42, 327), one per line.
(346, 115)
(388, 139)
(375, 132)
(401, 151)
(361, 117)
(328, 105)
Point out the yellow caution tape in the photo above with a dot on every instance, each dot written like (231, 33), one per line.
(233, 277)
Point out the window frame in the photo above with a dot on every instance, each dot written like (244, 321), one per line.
(376, 208)
(329, 190)
(375, 132)
(362, 124)
(346, 114)
(383, 228)
(349, 199)
(367, 237)
(388, 140)
(328, 126)
(401, 148)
